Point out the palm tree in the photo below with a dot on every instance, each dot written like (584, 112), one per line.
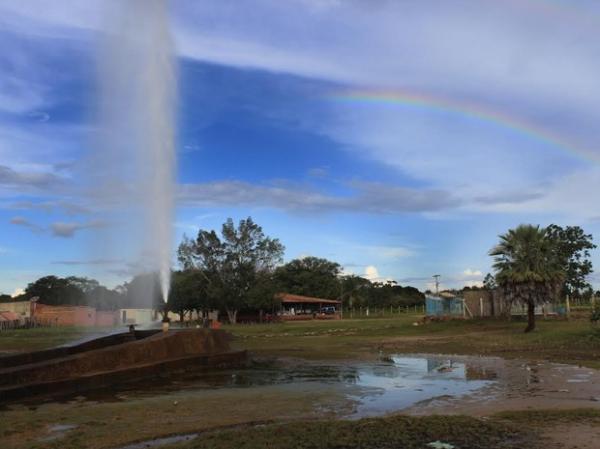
(527, 268)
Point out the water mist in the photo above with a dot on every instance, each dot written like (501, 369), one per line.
(133, 166)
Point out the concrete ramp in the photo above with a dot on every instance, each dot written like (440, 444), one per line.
(119, 359)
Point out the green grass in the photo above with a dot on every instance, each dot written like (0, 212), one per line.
(562, 341)
(20, 340)
(110, 424)
(376, 433)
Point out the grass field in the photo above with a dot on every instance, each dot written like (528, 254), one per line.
(572, 341)
(108, 424)
(20, 340)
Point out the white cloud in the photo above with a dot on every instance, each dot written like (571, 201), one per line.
(468, 273)
(486, 55)
(473, 284)
(371, 273)
(567, 196)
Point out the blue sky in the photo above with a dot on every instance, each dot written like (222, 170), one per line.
(389, 190)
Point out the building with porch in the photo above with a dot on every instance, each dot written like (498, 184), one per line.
(298, 307)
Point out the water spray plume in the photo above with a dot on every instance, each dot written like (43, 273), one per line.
(136, 151)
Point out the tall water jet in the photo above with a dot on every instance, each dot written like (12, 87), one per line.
(133, 165)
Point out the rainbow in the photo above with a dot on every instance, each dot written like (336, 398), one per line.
(463, 109)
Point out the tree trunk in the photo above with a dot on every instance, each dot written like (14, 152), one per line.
(181, 315)
(232, 314)
(530, 317)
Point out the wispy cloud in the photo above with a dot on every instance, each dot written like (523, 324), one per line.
(57, 229)
(69, 208)
(365, 198)
(387, 252)
(21, 179)
(67, 230)
(22, 221)
(88, 262)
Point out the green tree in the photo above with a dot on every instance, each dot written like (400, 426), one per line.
(489, 282)
(261, 295)
(53, 290)
(188, 292)
(527, 268)
(310, 276)
(102, 298)
(573, 248)
(355, 291)
(232, 263)
(587, 293)
(86, 285)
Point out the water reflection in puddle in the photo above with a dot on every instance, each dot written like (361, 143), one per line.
(377, 387)
(406, 381)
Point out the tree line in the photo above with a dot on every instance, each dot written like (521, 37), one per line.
(241, 270)
(237, 270)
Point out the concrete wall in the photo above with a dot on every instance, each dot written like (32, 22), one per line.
(483, 303)
(21, 308)
(479, 303)
(106, 318)
(65, 315)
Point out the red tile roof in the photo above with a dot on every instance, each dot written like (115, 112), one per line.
(289, 298)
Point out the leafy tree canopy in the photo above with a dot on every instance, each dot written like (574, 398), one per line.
(572, 246)
(310, 276)
(233, 263)
(527, 268)
(53, 290)
(489, 282)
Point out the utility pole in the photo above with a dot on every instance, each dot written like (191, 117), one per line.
(437, 283)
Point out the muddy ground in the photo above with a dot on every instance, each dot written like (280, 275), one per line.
(527, 378)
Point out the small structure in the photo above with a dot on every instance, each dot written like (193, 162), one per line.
(211, 315)
(485, 303)
(297, 307)
(479, 304)
(444, 305)
(137, 316)
(34, 313)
